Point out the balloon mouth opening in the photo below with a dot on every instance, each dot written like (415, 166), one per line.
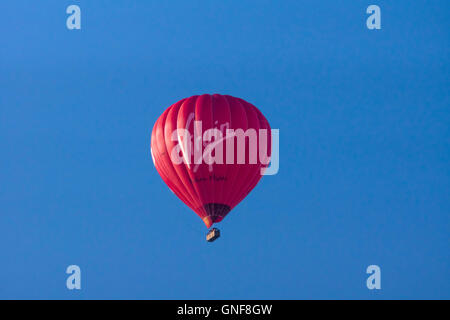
(215, 213)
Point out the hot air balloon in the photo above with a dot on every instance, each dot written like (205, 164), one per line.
(211, 151)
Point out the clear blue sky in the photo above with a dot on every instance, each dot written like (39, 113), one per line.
(364, 149)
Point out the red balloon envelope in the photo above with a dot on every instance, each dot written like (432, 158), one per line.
(211, 151)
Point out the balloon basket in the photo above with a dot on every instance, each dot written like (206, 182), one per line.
(212, 234)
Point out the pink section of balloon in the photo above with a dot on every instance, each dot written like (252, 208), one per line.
(211, 151)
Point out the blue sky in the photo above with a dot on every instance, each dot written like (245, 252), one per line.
(364, 149)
